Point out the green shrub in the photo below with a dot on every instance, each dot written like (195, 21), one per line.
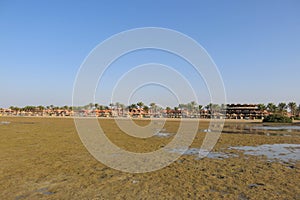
(278, 119)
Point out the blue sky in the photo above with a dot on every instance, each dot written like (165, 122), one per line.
(255, 44)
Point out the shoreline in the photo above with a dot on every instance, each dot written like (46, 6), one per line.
(148, 119)
(141, 119)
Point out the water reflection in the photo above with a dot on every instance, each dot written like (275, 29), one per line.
(287, 153)
(4, 122)
(197, 152)
(261, 129)
(162, 134)
(289, 128)
(281, 152)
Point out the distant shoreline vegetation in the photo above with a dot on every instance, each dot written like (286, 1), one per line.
(277, 118)
(140, 110)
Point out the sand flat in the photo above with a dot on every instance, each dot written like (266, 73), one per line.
(43, 158)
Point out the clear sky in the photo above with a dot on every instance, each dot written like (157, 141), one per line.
(255, 44)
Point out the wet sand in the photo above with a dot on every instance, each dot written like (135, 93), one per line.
(43, 158)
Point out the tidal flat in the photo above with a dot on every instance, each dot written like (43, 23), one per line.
(43, 158)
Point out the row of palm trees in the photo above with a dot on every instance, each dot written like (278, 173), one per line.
(281, 108)
(191, 107)
(40, 108)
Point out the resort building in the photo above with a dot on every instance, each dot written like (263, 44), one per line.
(138, 113)
(244, 111)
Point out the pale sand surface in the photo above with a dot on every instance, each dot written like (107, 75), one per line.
(43, 158)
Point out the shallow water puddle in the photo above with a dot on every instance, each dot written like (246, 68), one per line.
(269, 130)
(278, 128)
(162, 134)
(282, 152)
(4, 122)
(199, 153)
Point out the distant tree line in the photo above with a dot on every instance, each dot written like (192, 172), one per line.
(282, 108)
(40, 108)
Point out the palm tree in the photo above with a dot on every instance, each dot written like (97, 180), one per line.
(56, 108)
(140, 104)
(86, 107)
(182, 106)
(282, 107)
(152, 104)
(209, 106)
(272, 107)
(262, 107)
(40, 109)
(192, 106)
(293, 107)
(189, 107)
(17, 109)
(117, 104)
(132, 106)
(122, 106)
(14, 109)
(168, 109)
(29, 108)
(146, 109)
(111, 105)
(90, 105)
(101, 107)
(213, 107)
(216, 108)
(153, 108)
(223, 106)
(200, 107)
